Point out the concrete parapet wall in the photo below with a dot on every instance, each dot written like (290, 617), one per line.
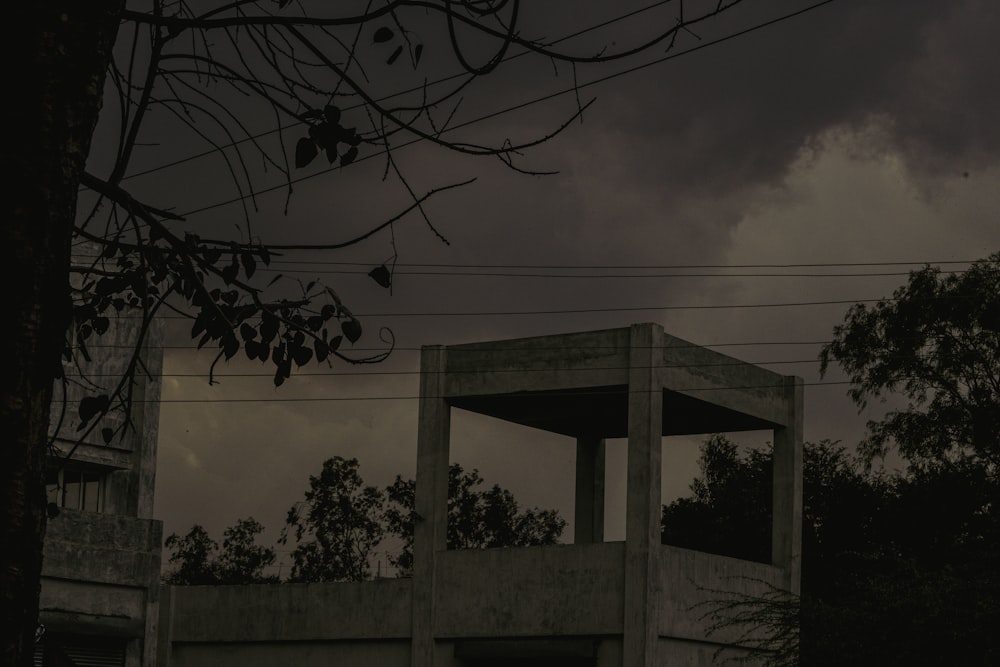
(692, 583)
(537, 591)
(103, 548)
(288, 612)
(293, 654)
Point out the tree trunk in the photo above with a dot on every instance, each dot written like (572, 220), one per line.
(59, 53)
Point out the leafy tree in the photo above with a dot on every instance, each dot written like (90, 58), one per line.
(193, 558)
(297, 63)
(895, 570)
(242, 560)
(477, 519)
(936, 343)
(197, 560)
(729, 511)
(337, 526)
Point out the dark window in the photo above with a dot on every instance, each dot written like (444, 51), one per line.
(76, 489)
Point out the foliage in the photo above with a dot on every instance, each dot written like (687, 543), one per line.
(729, 510)
(936, 343)
(193, 558)
(896, 570)
(242, 560)
(326, 73)
(336, 527)
(477, 519)
(197, 561)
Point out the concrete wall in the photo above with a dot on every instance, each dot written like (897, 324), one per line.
(505, 602)
(101, 578)
(635, 603)
(100, 573)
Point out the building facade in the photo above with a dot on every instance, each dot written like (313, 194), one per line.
(604, 604)
(101, 560)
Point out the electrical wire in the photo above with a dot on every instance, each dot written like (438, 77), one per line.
(573, 89)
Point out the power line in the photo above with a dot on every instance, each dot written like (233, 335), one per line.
(414, 89)
(627, 266)
(581, 311)
(471, 371)
(589, 276)
(333, 399)
(519, 106)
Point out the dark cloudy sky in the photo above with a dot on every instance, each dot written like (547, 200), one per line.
(857, 132)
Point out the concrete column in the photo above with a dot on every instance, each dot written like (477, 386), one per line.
(165, 632)
(588, 517)
(430, 501)
(642, 505)
(786, 512)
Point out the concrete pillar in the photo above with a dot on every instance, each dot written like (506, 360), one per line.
(430, 500)
(588, 517)
(642, 505)
(786, 511)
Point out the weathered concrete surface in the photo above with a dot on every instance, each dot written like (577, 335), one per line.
(577, 360)
(293, 654)
(691, 583)
(786, 523)
(550, 591)
(588, 510)
(642, 497)
(288, 612)
(627, 604)
(103, 548)
(430, 530)
(100, 574)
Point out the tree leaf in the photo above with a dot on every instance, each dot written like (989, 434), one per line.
(90, 406)
(247, 331)
(305, 152)
(268, 326)
(302, 355)
(417, 52)
(230, 272)
(394, 56)
(332, 114)
(230, 346)
(383, 35)
(107, 434)
(381, 275)
(351, 329)
(249, 263)
(349, 157)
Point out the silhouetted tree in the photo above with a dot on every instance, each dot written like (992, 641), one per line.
(242, 560)
(337, 527)
(192, 558)
(218, 69)
(196, 559)
(936, 343)
(477, 519)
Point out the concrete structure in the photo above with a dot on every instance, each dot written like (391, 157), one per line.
(101, 568)
(631, 603)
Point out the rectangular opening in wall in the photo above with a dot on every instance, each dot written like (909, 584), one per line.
(615, 476)
(516, 486)
(76, 488)
(79, 650)
(724, 506)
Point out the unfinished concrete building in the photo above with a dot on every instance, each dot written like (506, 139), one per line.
(101, 568)
(593, 602)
